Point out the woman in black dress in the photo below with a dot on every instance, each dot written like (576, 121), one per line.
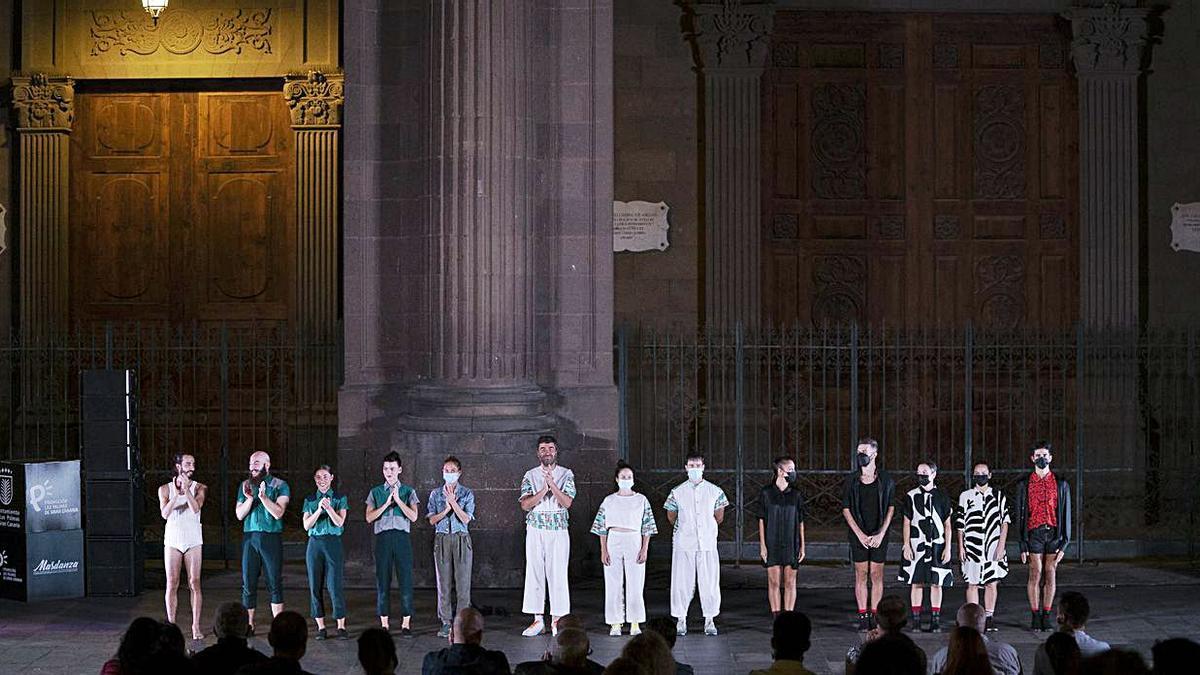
(781, 534)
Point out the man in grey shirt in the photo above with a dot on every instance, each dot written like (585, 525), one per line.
(1002, 655)
(1073, 613)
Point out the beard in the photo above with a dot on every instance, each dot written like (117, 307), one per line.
(548, 460)
(256, 478)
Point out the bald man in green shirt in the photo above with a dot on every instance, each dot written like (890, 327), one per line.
(261, 501)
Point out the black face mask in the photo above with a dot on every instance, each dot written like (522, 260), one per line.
(791, 476)
(1041, 462)
(863, 459)
(923, 479)
(980, 479)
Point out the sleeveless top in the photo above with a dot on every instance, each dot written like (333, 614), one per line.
(183, 525)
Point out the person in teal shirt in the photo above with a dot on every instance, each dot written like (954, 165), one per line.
(261, 501)
(324, 514)
(391, 509)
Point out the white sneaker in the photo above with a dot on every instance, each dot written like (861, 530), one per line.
(710, 627)
(554, 628)
(536, 628)
(681, 627)
(635, 628)
(615, 630)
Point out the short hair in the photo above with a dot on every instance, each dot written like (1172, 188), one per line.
(778, 461)
(392, 456)
(650, 650)
(451, 459)
(1074, 608)
(931, 464)
(177, 459)
(891, 654)
(892, 613)
(623, 665)
(621, 466)
(232, 620)
(867, 440)
(571, 647)
(693, 455)
(973, 615)
(289, 632)
(665, 627)
(791, 635)
(547, 438)
(1038, 445)
(377, 651)
(983, 464)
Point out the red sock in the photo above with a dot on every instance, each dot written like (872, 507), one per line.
(935, 610)
(862, 610)
(1033, 608)
(1046, 608)
(916, 609)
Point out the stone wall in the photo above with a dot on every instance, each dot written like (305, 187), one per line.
(7, 197)
(657, 150)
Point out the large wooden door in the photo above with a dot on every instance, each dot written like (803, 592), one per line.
(920, 169)
(181, 207)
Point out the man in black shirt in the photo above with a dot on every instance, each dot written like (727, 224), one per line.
(289, 640)
(781, 534)
(231, 651)
(867, 508)
(466, 652)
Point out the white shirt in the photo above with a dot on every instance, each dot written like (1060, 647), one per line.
(695, 524)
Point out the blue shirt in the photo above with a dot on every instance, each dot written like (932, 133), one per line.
(451, 523)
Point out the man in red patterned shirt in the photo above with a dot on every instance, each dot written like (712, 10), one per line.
(1044, 522)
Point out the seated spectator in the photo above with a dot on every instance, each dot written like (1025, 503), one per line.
(1003, 657)
(289, 640)
(568, 656)
(626, 666)
(1115, 662)
(231, 651)
(377, 652)
(1177, 656)
(651, 652)
(576, 621)
(891, 615)
(791, 636)
(136, 644)
(1062, 653)
(1073, 613)
(665, 627)
(891, 654)
(169, 654)
(967, 654)
(466, 652)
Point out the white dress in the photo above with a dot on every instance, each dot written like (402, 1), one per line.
(183, 524)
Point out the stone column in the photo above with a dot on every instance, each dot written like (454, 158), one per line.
(730, 42)
(314, 101)
(45, 110)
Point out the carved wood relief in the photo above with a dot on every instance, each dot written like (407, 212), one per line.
(999, 142)
(840, 289)
(181, 31)
(839, 150)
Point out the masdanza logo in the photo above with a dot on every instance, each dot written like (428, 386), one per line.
(47, 567)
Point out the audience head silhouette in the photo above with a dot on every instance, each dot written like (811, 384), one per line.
(791, 636)
(377, 652)
(288, 635)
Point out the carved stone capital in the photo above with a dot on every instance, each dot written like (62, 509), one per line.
(44, 102)
(731, 33)
(1108, 39)
(315, 98)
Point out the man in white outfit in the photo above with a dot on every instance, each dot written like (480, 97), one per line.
(179, 503)
(547, 491)
(695, 507)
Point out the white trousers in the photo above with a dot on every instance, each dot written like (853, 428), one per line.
(692, 568)
(546, 555)
(624, 579)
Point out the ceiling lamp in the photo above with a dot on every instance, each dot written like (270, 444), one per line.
(154, 7)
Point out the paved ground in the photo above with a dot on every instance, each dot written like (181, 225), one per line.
(1133, 604)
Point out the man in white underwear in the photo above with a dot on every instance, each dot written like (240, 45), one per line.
(179, 502)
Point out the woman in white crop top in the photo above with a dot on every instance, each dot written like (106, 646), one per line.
(179, 503)
(625, 524)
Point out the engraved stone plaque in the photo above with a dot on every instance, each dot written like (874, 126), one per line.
(1185, 227)
(640, 226)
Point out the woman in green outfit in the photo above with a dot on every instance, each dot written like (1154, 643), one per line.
(324, 515)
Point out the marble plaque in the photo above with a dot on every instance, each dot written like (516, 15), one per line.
(640, 226)
(1185, 227)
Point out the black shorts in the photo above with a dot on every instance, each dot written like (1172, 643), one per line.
(1043, 539)
(860, 553)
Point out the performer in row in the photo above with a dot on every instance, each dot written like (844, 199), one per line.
(624, 523)
(261, 502)
(695, 508)
(981, 523)
(868, 510)
(547, 492)
(781, 534)
(324, 516)
(179, 502)
(926, 545)
(1044, 519)
(451, 508)
(392, 507)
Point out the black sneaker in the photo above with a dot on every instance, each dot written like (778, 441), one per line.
(991, 625)
(1046, 620)
(250, 631)
(1035, 621)
(406, 633)
(914, 620)
(871, 624)
(864, 622)
(935, 622)
(343, 634)
(321, 634)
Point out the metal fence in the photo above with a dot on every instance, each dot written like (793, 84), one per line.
(218, 392)
(1121, 409)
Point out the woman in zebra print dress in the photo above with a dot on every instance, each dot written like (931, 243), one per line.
(982, 523)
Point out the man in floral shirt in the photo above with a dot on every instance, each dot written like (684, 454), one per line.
(547, 491)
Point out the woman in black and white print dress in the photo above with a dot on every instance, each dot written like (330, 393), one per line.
(982, 521)
(926, 538)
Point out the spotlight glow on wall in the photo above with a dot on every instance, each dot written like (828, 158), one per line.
(154, 7)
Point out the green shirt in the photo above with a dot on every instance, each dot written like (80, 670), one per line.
(392, 518)
(324, 524)
(259, 519)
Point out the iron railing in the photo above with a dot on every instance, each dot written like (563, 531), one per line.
(1121, 409)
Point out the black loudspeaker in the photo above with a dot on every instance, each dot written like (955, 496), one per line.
(113, 507)
(108, 422)
(114, 566)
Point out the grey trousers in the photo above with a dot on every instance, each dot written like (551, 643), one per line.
(452, 562)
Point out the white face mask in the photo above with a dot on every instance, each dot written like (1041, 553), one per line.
(695, 473)
(625, 483)
(450, 478)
